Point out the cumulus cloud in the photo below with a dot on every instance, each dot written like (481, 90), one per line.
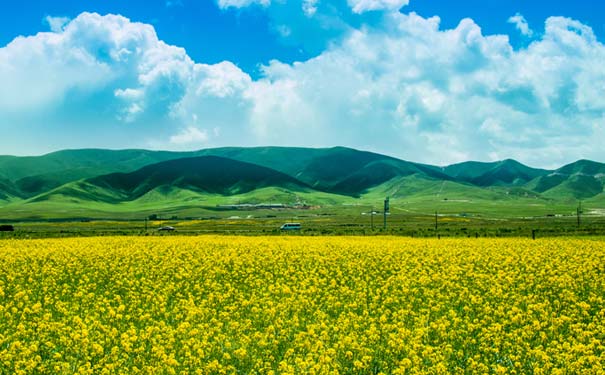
(224, 4)
(414, 90)
(109, 74)
(521, 24)
(404, 86)
(312, 25)
(361, 6)
(310, 7)
(56, 23)
(190, 136)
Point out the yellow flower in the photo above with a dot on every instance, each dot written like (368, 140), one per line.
(282, 305)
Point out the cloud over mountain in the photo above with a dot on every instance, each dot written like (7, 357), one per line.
(400, 85)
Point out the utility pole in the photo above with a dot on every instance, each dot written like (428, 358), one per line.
(386, 211)
(436, 222)
(579, 212)
(372, 218)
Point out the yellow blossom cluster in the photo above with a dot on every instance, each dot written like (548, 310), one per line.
(301, 305)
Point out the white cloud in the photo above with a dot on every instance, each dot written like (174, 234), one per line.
(190, 136)
(309, 25)
(403, 86)
(439, 96)
(361, 6)
(283, 30)
(56, 24)
(221, 80)
(101, 72)
(521, 24)
(224, 4)
(310, 7)
(38, 71)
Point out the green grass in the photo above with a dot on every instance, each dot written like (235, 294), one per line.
(337, 182)
(414, 201)
(506, 172)
(34, 175)
(341, 221)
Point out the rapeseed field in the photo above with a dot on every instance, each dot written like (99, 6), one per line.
(296, 305)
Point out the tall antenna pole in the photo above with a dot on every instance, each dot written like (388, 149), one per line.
(386, 211)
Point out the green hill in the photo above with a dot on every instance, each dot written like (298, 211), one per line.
(288, 160)
(7, 190)
(580, 180)
(586, 167)
(576, 186)
(204, 174)
(352, 172)
(337, 170)
(108, 182)
(502, 173)
(33, 175)
(416, 186)
(331, 169)
(379, 172)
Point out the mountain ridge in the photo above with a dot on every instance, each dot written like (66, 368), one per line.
(202, 174)
(114, 176)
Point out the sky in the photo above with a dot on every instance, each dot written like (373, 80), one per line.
(431, 81)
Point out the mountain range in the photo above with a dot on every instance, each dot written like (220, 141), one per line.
(278, 174)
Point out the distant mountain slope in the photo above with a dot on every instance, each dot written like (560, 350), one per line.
(288, 160)
(580, 180)
(379, 172)
(585, 167)
(33, 175)
(417, 186)
(501, 173)
(204, 174)
(337, 170)
(7, 190)
(38, 174)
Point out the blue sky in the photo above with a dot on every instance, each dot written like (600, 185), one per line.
(425, 80)
(246, 37)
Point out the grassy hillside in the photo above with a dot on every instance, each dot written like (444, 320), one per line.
(353, 172)
(204, 174)
(502, 173)
(288, 160)
(165, 200)
(38, 174)
(417, 187)
(576, 186)
(7, 190)
(322, 168)
(580, 180)
(106, 183)
(585, 167)
(338, 170)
